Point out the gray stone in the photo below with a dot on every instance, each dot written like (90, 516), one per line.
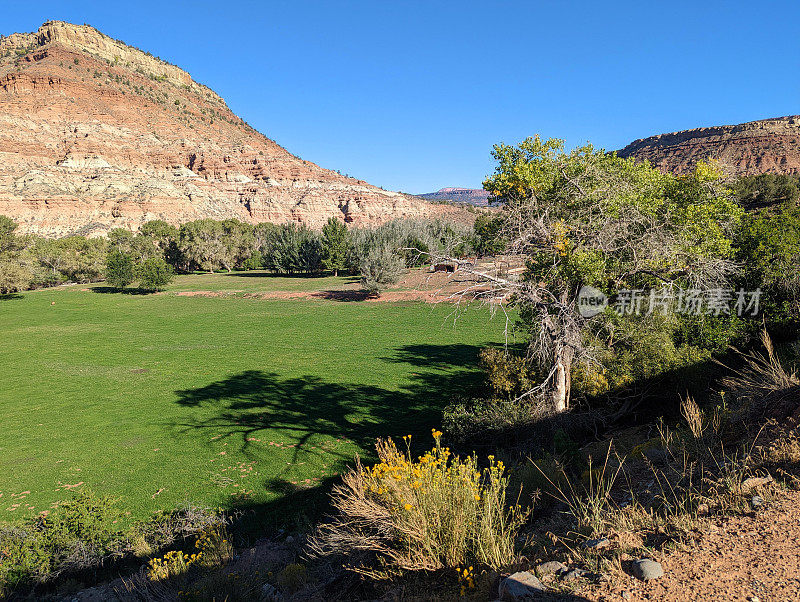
(573, 574)
(553, 566)
(269, 593)
(647, 569)
(596, 544)
(626, 594)
(756, 502)
(521, 586)
(656, 455)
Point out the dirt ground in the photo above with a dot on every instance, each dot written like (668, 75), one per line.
(754, 557)
(415, 285)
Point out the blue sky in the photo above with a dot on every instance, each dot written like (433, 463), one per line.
(412, 95)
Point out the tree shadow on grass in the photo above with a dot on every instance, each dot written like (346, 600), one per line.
(121, 291)
(437, 356)
(311, 413)
(300, 276)
(345, 296)
(10, 297)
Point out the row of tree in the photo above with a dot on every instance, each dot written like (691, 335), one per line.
(151, 255)
(28, 261)
(378, 254)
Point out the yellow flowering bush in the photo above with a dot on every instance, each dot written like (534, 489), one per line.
(466, 578)
(172, 564)
(213, 549)
(438, 510)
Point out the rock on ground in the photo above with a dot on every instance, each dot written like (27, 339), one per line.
(647, 569)
(521, 586)
(553, 566)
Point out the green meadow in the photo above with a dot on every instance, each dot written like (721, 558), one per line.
(226, 400)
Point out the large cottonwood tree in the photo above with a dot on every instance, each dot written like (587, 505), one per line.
(587, 217)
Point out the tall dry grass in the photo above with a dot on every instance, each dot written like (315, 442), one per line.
(763, 374)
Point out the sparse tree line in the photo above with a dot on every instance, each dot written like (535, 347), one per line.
(151, 256)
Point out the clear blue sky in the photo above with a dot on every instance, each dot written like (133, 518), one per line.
(412, 95)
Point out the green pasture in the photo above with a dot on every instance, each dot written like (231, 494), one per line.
(227, 400)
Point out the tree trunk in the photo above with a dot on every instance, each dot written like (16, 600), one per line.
(561, 385)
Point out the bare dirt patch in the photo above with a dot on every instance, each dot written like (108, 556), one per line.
(416, 285)
(751, 557)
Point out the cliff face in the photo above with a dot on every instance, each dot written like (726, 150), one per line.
(95, 134)
(766, 146)
(470, 196)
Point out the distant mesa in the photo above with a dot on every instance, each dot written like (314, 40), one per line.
(755, 147)
(97, 135)
(470, 196)
(764, 146)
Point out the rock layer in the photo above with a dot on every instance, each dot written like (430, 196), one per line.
(95, 134)
(470, 196)
(766, 146)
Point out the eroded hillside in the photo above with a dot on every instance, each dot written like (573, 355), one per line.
(765, 146)
(95, 134)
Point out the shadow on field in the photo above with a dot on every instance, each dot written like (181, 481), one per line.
(10, 297)
(121, 291)
(436, 356)
(264, 274)
(344, 295)
(306, 409)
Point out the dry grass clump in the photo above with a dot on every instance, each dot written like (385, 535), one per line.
(166, 528)
(784, 453)
(763, 381)
(437, 511)
(177, 572)
(589, 503)
(695, 476)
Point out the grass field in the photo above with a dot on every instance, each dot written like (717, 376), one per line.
(159, 399)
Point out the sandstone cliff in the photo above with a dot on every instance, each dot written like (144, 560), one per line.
(469, 196)
(766, 146)
(95, 134)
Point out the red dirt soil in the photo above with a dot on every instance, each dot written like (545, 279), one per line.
(752, 557)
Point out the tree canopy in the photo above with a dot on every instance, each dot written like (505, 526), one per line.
(587, 217)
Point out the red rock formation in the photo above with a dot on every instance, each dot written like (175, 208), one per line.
(95, 134)
(470, 196)
(766, 146)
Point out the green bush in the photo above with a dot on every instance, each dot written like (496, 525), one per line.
(489, 234)
(78, 534)
(380, 268)
(491, 422)
(154, 274)
(768, 248)
(254, 262)
(15, 273)
(766, 189)
(508, 374)
(87, 532)
(335, 245)
(119, 269)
